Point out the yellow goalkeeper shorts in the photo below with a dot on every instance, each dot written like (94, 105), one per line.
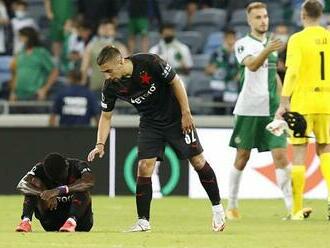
(317, 124)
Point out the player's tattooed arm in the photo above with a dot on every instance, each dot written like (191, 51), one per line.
(30, 185)
(85, 183)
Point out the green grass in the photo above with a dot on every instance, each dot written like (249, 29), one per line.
(176, 222)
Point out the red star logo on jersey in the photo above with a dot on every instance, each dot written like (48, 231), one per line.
(145, 78)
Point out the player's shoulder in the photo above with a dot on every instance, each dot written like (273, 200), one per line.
(146, 58)
(77, 164)
(244, 40)
(37, 169)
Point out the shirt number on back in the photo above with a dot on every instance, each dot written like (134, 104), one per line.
(322, 66)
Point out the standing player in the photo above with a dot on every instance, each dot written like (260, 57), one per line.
(152, 86)
(306, 90)
(256, 106)
(56, 190)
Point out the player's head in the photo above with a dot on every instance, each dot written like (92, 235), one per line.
(167, 31)
(56, 168)
(29, 37)
(111, 63)
(229, 37)
(20, 8)
(74, 77)
(257, 17)
(106, 28)
(311, 11)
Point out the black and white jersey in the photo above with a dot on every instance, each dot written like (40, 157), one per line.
(148, 89)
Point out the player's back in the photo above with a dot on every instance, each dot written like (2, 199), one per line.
(311, 48)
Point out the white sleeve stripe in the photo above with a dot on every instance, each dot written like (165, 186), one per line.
(104, 105)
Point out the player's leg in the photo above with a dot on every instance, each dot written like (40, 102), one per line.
(29, 206)
(187, 146)
(283, 175)
(244, 138)
(322, 134)
(298, 179)
(79, 207)
(209, 182)
(241, 159)
(150, 148)
(50, 220)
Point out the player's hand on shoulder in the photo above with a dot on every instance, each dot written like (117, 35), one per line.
(274, 45)
(187, 123)
(99, 149)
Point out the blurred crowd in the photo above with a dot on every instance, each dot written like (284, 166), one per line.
(48, 48)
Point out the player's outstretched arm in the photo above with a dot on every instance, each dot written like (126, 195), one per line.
(255, 62)
(30, 185)
(181, 95)
(102, 135)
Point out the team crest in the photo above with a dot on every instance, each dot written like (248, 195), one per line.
(145, 78)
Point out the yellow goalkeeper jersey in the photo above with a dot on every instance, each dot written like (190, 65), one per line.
(308, 71)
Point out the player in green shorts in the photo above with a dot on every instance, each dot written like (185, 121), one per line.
(258, 100)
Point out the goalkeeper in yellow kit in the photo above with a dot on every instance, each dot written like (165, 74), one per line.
(306, 90)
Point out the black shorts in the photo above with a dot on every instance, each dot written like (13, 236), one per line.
(54, 220)
(152, 140)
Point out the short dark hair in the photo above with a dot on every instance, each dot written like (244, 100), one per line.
(54, 166)
(167, 25)
(228, 31)
(313, 8)
(106, 21)
(75, 76)
(21, 2)
(107, 53)
(32, 36)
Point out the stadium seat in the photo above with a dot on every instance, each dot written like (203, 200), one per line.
(241, 30)
(193, 39)
(154, 38)
(215, 17)
(199, 81)
(4, 68)
(207, 21)
(238, 17)
(200, 61)
(213, 41)
(175, 17)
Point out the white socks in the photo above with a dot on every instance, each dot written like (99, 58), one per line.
(283, 177)
(72, 221)
(234, 181)
(26, 219)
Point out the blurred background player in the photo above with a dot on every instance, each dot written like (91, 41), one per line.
(21, 20)
(176, 53)
(57, 12)
(153, 88)
(256, 106)
(24, 84)
(306, 90)
(106, 35)
(56, 191)
(75, 104)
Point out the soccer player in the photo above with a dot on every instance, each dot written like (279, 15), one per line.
(306, 90)
(56, 190)
(152, 86)
(256, 106)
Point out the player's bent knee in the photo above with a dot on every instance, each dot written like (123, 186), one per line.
(145, 167)
(197, 161)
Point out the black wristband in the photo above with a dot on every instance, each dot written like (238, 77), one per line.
(99, 144)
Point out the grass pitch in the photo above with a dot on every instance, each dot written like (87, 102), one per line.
(176, 222)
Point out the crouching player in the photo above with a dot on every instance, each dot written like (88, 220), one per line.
(56, 190)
